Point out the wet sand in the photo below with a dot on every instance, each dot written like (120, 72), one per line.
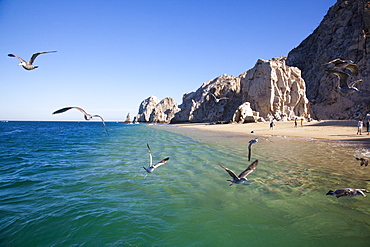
(329, 129)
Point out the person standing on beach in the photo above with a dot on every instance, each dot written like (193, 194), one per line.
(368, 126)
(272, 124)
(295, 123)
(359, 126)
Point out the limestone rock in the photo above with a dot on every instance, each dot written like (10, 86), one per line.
(164, 111)
(245, 114)
(343, 33)
(146, 108)
(215, 101)
(275, 90)
(152, 110)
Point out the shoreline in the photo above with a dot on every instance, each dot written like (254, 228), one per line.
(338, 130)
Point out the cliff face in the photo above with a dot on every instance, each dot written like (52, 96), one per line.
(152, 110)
(275, 90)
(272, 89)
(216, 100)
(343, 33)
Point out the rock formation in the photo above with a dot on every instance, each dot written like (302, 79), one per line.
(275, 90)
(216, 100)
(245, 114)
(128, 118)
(164, 111)
(152, 110)
(272, 89)
(146, 108)
(343, 33)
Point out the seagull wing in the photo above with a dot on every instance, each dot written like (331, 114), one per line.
(352, 84)
(150, 155)
(13, 55)
(249, 151)
(343, 77)
(96, 115)
(68, 108)
(336, 61)
(353, 68)
(250, 169)
(342, 192)
(232, 174)
(164, 161)
(34, 55)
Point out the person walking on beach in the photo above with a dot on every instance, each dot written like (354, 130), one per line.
(368, 126)
(272, 124)
(359, 127)
(295, 123)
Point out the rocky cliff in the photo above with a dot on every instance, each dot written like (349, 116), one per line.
(269, 90)
(275, 90)
(216, 100)
(343, 33)
(152, 110)
(283, 88)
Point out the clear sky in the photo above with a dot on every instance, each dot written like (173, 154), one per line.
(112, 54)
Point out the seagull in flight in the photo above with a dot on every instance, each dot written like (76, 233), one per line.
(250, 147)
(151, 167)
(218, 99)
(344, 87)
(28, 65)
(364, 161)
(349, 192)
(242, 176)
(86, 115)
(349, 64)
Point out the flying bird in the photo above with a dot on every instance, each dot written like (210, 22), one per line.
(364, 161)
(217, 99)
(250, 147)
(344, 87)
(349, 192)
(349, 64)
(151, 167)
(242, 176)
(29, 65)
(86, 115)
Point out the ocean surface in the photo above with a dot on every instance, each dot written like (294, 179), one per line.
(71, 184)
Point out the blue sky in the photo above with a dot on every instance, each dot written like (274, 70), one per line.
(112, 54)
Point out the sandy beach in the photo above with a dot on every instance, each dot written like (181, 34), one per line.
(329, 129)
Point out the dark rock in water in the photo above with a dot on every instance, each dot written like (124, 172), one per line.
(343, 33)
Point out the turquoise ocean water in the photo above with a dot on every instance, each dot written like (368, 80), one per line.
(71, 184)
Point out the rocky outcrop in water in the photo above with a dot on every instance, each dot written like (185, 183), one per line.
(343, 33)
(152, 110)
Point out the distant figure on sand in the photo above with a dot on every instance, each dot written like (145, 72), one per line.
(364, 161)
(295, 123)
(368, 126)
(272, 124)
(301, 121)
(359, 127)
